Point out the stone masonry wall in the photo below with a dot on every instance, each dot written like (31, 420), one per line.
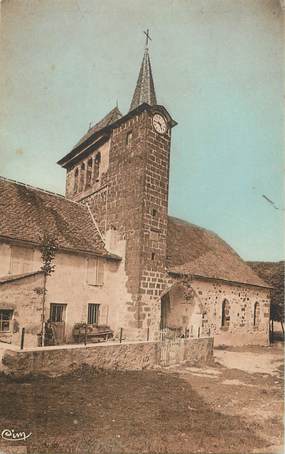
(133, 203)
(208, 298)
(241, 329)
(126, 356)
(21, 296)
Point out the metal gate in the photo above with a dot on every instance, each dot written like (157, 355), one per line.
(171, 351)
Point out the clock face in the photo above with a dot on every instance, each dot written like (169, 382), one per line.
(159, 123)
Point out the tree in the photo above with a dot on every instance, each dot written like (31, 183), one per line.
(48, 248)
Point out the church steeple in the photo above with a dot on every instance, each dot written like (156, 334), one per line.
(144, 91)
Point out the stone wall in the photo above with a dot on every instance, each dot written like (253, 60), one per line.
(132, 201)
(206, 304)
(126, 356)
(22, 297)
(240, 329)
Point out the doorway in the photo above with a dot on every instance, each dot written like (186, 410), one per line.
(164, 311)
(57, 318)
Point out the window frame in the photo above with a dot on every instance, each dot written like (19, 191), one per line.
(63, 307)
(82, 175)
(129, 138)
(5, 320)
(93, 309)
(256, 320)
(225, 322)
(76, 181)
(89, 170)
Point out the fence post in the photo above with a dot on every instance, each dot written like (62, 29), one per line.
(199, 332)
(121, 335)
(147, 334)
(22, 338)
(85, 335)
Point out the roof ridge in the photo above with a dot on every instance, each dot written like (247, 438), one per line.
(46, 191)
(94, 222)
(204, 229)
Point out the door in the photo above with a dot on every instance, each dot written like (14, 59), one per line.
(165, 309)
(57, 317)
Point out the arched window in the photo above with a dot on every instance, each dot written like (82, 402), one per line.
(82, 177)
(75, 185)
(89, 173)
(256, 314)
(225, 314)
(96, 166)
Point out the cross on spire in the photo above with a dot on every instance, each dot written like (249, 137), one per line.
(144, 91)
(147, 37)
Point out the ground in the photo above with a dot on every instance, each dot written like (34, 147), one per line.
(232, 406)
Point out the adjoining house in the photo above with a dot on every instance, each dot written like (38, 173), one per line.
(122, 261)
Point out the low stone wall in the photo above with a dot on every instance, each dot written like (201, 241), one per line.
(110, 355)
(199, 351)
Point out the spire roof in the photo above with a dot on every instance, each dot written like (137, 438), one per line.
(144, 91)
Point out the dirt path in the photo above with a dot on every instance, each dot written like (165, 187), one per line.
(246, 383)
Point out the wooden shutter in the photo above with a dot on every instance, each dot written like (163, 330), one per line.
(21, 260)
(100, 271)
(91, 271)
(95, 271)
(103, 314)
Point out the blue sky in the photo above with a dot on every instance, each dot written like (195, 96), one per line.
(217, 69)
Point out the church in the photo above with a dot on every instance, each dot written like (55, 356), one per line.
(122, 261)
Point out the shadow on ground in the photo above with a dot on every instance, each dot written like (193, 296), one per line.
(117, 413)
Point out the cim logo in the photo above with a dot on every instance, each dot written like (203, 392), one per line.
(11, 435)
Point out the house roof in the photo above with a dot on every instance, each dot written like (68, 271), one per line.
(27, 212)
(272, 273)
(15, 277)
(199, 252)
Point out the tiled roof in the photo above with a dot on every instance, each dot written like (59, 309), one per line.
(272, 273)
(15, 277)
(27, 212)
(110, 118)
(200, 252)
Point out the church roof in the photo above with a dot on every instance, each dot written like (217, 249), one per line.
(199, 252)
(27, 212)
(110, 118)
(144, 91)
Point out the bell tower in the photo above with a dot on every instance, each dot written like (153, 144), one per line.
(130, 194)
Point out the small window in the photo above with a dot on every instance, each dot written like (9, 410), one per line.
(256, 314)
(129, 138)
(57, 312)
(152, 256)
(154, 212)
(82, 177)
(225, 314)
(89, 173)
(97, 161)
(6, 320)
(93, 314)
(95, 271)
(76, 176)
